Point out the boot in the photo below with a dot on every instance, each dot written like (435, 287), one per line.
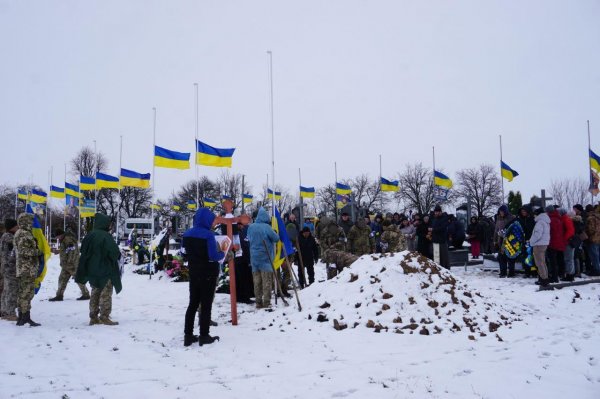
(108, 322)
(569, 278)
(27, 319)
(20, 321)
(57, 298)
(189, 339)
(544, 282)
(83, 297)
(94, 321)
(207, 339)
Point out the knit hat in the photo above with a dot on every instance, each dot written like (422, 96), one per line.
(9, 224)
(437, 208)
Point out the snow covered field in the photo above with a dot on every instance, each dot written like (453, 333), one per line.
(552, 352)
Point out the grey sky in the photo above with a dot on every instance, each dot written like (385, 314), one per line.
(353, 79)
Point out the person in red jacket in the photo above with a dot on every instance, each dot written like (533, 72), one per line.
(557, 244)
(569, 252)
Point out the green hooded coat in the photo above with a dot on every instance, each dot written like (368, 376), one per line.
(99, 259)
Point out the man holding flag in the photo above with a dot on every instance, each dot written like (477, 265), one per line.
(28, 262)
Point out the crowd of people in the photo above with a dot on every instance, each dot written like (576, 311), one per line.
(551, 242)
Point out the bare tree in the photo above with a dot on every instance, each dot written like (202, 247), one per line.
(284, 204)
(568, 192)
(483, 186)
(416, 188)
(135, 202)
(325, 200)
(368, 194)
(230, 184)
(87, 163)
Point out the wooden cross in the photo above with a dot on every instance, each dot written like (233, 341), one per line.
(544, 198)
(244, 220)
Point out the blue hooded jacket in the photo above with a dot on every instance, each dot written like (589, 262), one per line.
(258, 232)
(199, 241)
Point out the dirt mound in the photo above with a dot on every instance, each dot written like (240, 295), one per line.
(404, 293)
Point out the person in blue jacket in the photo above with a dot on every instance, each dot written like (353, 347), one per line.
(203, 257)
(260, 234)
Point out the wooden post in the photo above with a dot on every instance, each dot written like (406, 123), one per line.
(278, 290)
(293, 276)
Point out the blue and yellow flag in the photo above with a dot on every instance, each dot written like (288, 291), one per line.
(57, 192)
(248, 198)
(225, 197)
(507, 172)
(87, 208)
(209, 202)
(441, 180)
(342, 189)
(129, 178)
(307, 192)
(389, 185)
(270, 194)
(43, 246)
(22, 195)
(342, 200)
(87, 183)
(211, 156)
(176, 208)
(38, 196)
(171, 159)
(191, 205)
(106, 181)
(284, 240)
(594, 161)
(156, 207)
(72, 194)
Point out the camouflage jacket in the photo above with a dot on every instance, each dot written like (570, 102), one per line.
(7, 253)
(332, 237)
(69, 253)
(360, 239)
(26, 247)
(392, 240)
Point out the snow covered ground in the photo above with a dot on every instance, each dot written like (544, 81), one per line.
(552, 352)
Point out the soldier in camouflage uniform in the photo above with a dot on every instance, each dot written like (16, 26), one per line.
(331, 237)
(8, 301)
(339, 260)
(27, 263)
(360, 239)
(391, 239)
(69, 259)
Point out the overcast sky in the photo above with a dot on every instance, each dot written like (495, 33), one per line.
(352, 80)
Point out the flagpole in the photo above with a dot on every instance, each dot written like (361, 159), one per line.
(95, 184)
(501, 178)
(433, 175)
(65, 204)
(16, 200)
(78, 211)
(196, 149)
(119, 207)
(590, 162)
(301, 221)
(153, 187)
(272, 132)
(335, 192)
(243, 205)
(48, 203)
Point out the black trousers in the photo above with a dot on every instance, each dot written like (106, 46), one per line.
(244, 285)
(556, 261)
(203, 280)
(310, 270)
(506, 263)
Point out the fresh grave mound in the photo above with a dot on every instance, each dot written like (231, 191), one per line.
(404, 293)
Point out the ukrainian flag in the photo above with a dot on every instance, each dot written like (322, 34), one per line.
(441, 180)
(284, 240)
(594, 161)
(176, 208)
(226, 197)
(22, 195)
(171, 159)
(38, 196)
(191, 205)
(307, 192)
(342, 189)
(87, 210)
(155, 207)
(57, 192)
(248, 198)
(129, 178)
(72, 194)
(87, 183)
(211, 156)
(43, 246)
(389, 185)
(270, 194)
(507, 172)
(106, 181)
(209, 202)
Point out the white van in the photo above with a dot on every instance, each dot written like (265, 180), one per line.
(142, 225)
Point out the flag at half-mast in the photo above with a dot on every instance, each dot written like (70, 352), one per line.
(57, 192)
(38, 196)
(211, 156)
(594, 161)
(164, 158)
(342, 189)
(441, 180)
(106, 181)
(191, 205)
(307, 192)
(72, 194)
(507, 172)
(270, 194)
(129, 178)
(22, 194)
(389, 185)
(248, 198)
(209, 202)
(87, 183)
